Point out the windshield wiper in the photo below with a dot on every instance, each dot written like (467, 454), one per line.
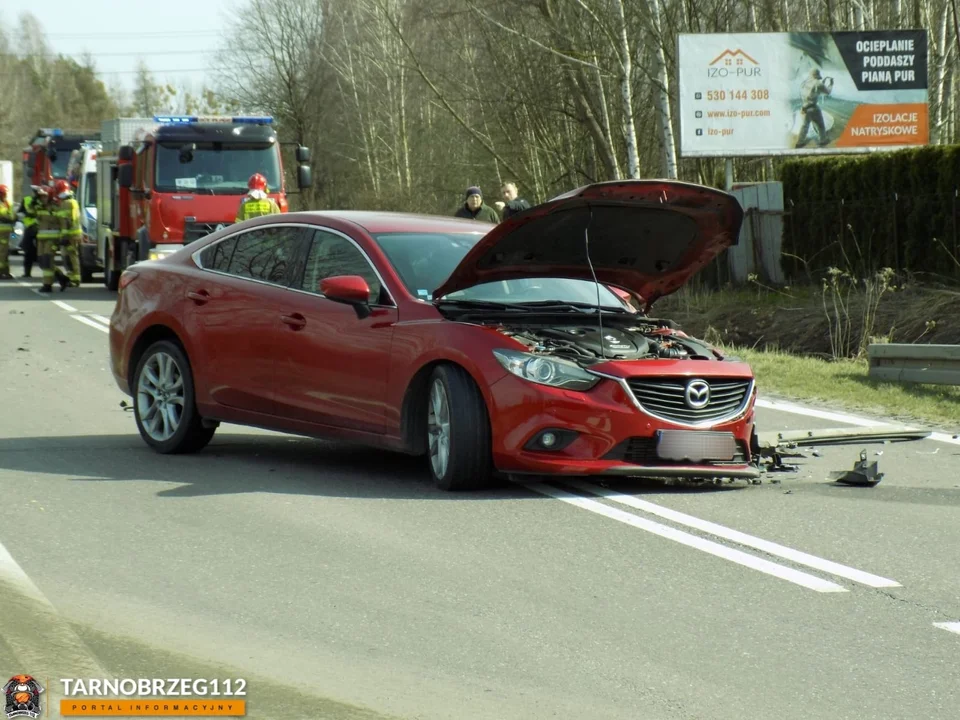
(541, 305)
(554, 305)
(483, 305)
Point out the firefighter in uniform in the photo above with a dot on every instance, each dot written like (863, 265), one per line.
(7, 220)
(48, 239)
(27, 212)
(71, 232)
(256, 202)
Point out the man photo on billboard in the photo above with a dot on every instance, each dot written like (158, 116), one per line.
(810, 91)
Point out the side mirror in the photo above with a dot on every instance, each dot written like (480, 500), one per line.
(303, 154)
(349, 290)
(125, 176)
(304, 176)
(52, 154)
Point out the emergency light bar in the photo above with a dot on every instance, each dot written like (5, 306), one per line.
(54, 132)
(190, 119)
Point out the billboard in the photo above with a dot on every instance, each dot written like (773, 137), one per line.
(754, 94)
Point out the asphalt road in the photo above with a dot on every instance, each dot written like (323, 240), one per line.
(339, 584)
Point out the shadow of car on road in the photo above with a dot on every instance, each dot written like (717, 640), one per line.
(235, 463)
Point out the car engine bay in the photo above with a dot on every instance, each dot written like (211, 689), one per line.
(586, 345)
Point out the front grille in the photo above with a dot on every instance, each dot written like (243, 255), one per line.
(666, 399)
(643, 451)
(193, 231)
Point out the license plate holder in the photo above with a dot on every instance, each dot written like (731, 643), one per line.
(696, 446)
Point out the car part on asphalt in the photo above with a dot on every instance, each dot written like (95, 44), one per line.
(863, 473)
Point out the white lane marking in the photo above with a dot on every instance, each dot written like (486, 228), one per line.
(813, 412)
(772, 548)
(795, 409)
(68, 308)
(41, 638)
(953, 627)
(92, 323)
(100, 318)
(708, 546)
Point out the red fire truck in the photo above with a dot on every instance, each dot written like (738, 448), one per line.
(170, 180)
(45, 160)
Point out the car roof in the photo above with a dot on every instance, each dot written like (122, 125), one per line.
(382, 221)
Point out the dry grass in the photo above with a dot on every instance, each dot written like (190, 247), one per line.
(793, 319)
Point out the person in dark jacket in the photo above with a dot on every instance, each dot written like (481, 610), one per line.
(511, 204)
(474, 209)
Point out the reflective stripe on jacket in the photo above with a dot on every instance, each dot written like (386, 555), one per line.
(69, 215)
(7, 219)
(48, 224)
(252, 207)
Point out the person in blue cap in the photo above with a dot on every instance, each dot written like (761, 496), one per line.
(474, 209)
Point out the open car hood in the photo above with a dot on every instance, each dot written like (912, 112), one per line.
(647, 236)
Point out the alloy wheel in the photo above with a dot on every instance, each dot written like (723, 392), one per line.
(438, 429)
(160, 397)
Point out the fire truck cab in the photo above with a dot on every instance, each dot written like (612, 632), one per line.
(48, 156)
(166, 182)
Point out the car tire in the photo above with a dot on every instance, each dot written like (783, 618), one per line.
(164, 401)
(457, 420)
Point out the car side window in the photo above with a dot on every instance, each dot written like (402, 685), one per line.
(263, 254)
(217, 257)
(332, 255)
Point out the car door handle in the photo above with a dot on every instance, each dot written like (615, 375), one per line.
(199, 297)
(296, 321)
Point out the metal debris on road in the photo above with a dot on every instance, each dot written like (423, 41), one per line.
(863, 474)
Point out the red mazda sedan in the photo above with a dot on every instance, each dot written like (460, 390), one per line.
(489, 349)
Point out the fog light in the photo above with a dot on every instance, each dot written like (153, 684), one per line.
(550, 439)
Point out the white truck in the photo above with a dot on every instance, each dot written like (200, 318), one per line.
(6, 178)
(82, 175)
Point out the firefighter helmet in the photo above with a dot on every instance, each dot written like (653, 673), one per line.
(257, 182)
(61, 189)
(3, 192)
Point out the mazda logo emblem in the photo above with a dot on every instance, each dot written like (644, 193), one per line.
(697, 394)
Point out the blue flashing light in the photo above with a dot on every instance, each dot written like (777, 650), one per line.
(175, 119)
(52, 132)
(253, 120)
(190, 119)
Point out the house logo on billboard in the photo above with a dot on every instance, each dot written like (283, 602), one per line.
(733, 64)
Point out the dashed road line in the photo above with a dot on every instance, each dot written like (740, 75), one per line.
(953, 627)
(68, 308)
(91, 319)
(92, 323)
(771, 548)
(783, 572)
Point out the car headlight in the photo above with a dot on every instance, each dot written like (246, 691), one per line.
(546, 370)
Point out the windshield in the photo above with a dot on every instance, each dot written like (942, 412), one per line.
(217, 167)
(424, 260)
(90, 193)
(58, 167)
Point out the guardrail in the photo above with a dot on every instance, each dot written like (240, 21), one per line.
(930, 364)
